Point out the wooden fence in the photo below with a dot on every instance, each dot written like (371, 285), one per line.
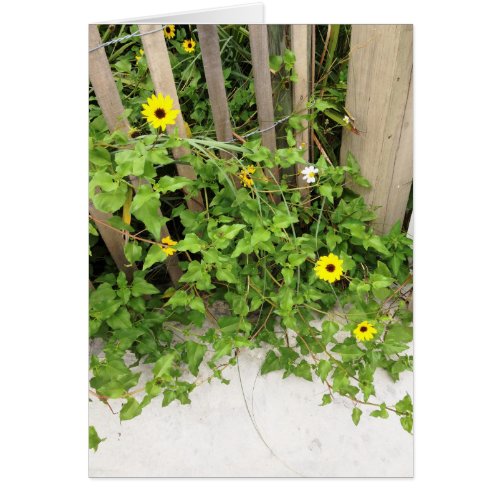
(379, 98)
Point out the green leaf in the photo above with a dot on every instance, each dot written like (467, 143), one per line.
(290, 139)
(130, 409)
(399, 333)
(332, 239)
(225, 273)
(168, 397)
(166, 183)
(326, 190)
(194, 272)
(328, 330)
(303, 370)
(382, 413)
(352, 163)
(143, 195)
(393, 347)
(324, 368)
(146, 210)
(121, 319)
(296, 259)
(117, 222)
(327, 399)
(362, 181)
(197, 305)
(100, 157)
(340, 383)
(349, 352)
(159, 157)
(164, 365)
(244, 246)
(356, 415)
(271, 363)
(283, 220)
(195, 353)
(191, 243)
(155, 254)
(288, 59)
(141, 287)
(103, 180)
(375, 242)
(123, 65)
(179, 299)
(286, 298)
(379, 281)
(321, 105)
(94, 439)
(132, 251)
(222, 347)
(260, 234)
(229, 232)
(112, 201)
(275, 63)
(407, 423)
(238, 303)
(405, 405)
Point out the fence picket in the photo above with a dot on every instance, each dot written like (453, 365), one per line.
(158, 59)
(263, 89)
(212, 64)
(379, 97)
(278, 36)
(110, 103)
(111, 106)
(300, 47)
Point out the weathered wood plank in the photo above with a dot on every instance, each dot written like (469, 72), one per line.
(109, 101)
(212, 64)
(158, 59)
(379, 97)
(104, 85)
(263, 89)
(301, 48)
(278, 35)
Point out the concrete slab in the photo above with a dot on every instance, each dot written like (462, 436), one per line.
(257, 426)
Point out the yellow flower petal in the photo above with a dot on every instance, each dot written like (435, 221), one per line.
(364, 331)
(329, 268)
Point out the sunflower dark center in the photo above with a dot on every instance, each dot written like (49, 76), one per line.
(160, 113)
(363, 329)
(190, 45)
(168, 30)
(330, 268)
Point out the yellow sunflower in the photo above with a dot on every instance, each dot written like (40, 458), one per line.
(159, 112)
(170, 243)
(189, 45)
(245, 176)
(329, 268)
(169, 31)
(364, 331)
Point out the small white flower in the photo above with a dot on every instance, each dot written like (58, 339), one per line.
(308, 174)
(347, 119)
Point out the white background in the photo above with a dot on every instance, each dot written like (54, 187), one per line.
(44, 251)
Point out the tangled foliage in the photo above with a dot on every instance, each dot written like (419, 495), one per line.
(254, 247)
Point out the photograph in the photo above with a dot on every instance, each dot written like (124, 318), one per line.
(250, 250)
